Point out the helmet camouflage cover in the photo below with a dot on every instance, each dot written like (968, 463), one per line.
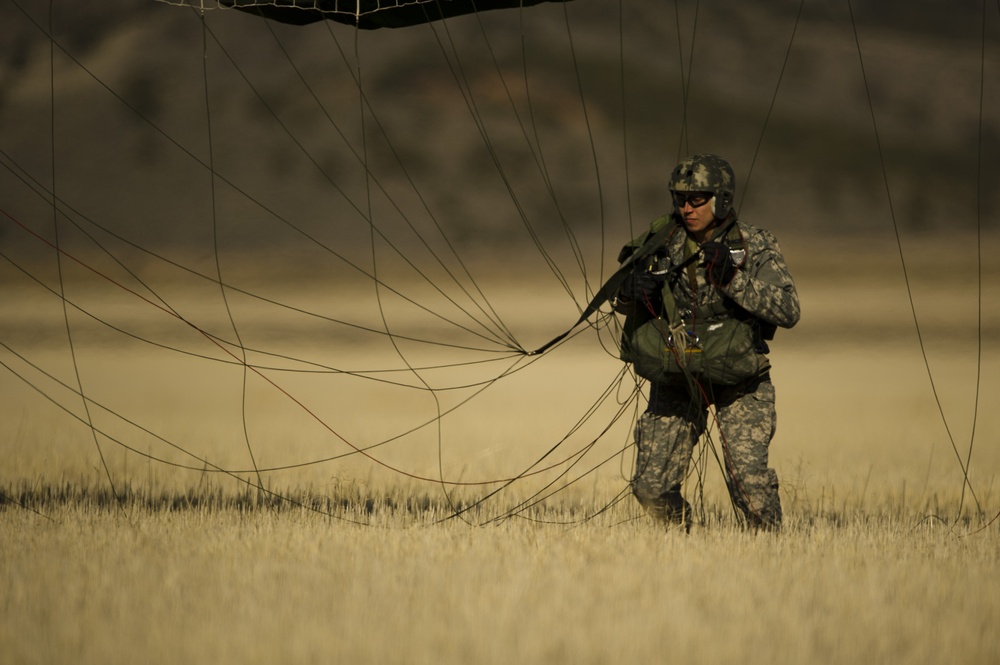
(706, 173)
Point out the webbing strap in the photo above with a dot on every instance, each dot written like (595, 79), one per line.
(611, 286)
(613, 283)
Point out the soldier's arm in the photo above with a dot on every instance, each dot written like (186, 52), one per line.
(764, 286)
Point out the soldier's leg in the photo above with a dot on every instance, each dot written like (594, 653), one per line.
(747, 420)
(665, 437)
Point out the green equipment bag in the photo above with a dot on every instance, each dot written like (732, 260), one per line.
(722, 352)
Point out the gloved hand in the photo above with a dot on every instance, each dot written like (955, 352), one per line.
(642, 286)
(719, 266)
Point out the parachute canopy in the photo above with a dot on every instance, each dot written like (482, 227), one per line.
(371, 14)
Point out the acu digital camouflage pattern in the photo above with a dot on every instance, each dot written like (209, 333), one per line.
(677, 413)
(667, 432)
(706, 173)
(762, 285)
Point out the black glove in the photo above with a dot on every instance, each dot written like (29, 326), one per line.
(642, 286)
(718, 264)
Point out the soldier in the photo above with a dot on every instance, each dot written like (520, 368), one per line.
(707, 293)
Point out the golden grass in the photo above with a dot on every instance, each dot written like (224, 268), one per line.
(231, 586)
(356, 562)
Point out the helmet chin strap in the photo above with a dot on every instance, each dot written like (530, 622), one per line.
(710, 232)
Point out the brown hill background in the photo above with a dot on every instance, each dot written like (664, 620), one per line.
(546, 125)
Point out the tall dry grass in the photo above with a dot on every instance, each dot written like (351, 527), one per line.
(230, 585)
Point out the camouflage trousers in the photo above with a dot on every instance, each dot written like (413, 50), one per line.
(667, 432)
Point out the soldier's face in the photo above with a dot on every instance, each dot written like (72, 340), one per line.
(697, 211)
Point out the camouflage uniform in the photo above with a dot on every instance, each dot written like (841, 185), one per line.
(677, 412)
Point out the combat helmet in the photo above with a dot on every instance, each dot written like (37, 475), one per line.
(706, 173)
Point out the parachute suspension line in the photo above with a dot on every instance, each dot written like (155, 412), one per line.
(540, 154)
(162, 304)
(906, 278)
(621, 76)
(485, 308)
(355, 449)
(59, 264)
(770, 109)
(535, 148)
(593, 150)
(165, 307)
(465, 89)
(979, 253)
(497, 337)
(235, 187)
(325, 247)
(218, 262)
(44, 193)
(572, 459)
(533, 141)
(704, 400)
(502, 333)
(204, 465)
(79, 391)
(274, 213)
(533, 469)
(62, 252)
(547, 492)
(543, 167)
(374, 255)
(683, 144)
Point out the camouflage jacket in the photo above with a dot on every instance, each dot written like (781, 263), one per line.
(762, 286)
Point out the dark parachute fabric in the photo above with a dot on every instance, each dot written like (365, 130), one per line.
(372, 14)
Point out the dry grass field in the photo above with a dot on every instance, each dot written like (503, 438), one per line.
(358, 558)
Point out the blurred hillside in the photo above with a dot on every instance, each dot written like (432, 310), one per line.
(507, 127)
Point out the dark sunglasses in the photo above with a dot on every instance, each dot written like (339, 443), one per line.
(693, 199)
